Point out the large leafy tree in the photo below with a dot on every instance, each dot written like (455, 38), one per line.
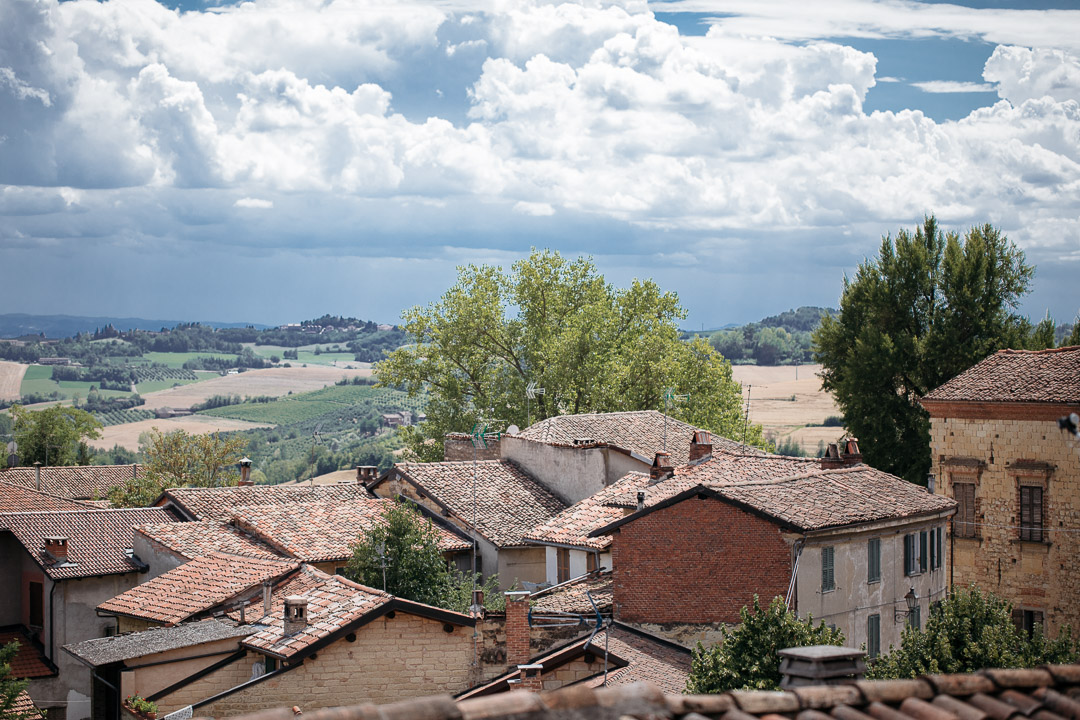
(968, 631)
(55, 435)
(177, 459)
(748, 656)
(555, 322)
(929, 306)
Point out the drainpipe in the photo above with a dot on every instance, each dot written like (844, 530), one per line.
(52, 623)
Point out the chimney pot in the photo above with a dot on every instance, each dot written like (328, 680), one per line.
(701, 446)
(267, 592)
(295, 614)
(661, 467)
(517, 628)
(245, 473)
(530, 677)
(843, 454)
(820, 665)
(57, 547)
(366, 473)
(641, 500)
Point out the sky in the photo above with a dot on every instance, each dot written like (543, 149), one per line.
(274, 160)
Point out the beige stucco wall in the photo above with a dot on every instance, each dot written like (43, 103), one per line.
(579, 563)
(392, 659)
(160, 559)
(210, 685)
(517, 565)
(1033, 576)
(570, 473)
(855, 598)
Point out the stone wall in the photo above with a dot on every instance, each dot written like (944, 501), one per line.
(998, 456)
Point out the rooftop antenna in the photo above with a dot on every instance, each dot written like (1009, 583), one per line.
(531, 391)
(316, 439)
(669, 398)
(746, 418)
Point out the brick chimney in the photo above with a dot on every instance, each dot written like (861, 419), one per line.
(245, 473)
(517, 628)
(366, 473)
(57, 547)
(843, 454)
(661, 467)
(296, 618)
(529, 678)
(701, 446)
(820, 665)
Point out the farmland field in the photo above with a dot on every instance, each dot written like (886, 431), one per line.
(38, 379)
(772, 405)
(11, 377)
(149, 386)
(307, 406)
(305, 354)
(177, 360)
(127, 435)
(271, 381)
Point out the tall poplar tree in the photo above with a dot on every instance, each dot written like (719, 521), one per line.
(929, 306)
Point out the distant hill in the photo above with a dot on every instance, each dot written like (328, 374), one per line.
(13, 325)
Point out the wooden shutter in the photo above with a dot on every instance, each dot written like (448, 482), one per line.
(828, 578)
(563, 563)
(964, 521)
(909, 554)
(1031, 515)
(873, 560)
(873, 635)
(590, 562)
(922, 551)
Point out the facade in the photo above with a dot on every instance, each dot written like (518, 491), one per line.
(1015, 475)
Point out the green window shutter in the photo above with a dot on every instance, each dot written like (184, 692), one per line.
(922, 551)
(873, 636)
(828, 577)
(873, 560)
(909, 554)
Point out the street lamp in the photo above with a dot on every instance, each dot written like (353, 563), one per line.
(912, 602)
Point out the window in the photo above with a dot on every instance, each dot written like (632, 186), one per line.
(828, 577)
(37, 615)
(873, 636)
(562, 556)
(922, 551)
(591, 562)
(936, 546)
(873, 560)
(1031, 513)
(911, 555)
(1027, 620)
(964, 520)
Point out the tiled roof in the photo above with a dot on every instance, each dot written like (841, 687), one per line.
(509, 503)
(195, 587)
(333, 603)
(640, 431)
(194, 539)
(570, 597)
(834, 498)
(1018, 376)
(318, 532)
(24, 706)
(79, 482)
(15, 497)
(107, 650)
(806, 499)
(218, 503)
(573, 525)
(29, 660)
(1047, 693)
(99, 541)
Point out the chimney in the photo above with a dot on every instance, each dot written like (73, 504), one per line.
(57, 547)
(267, 592)
(529, 678)
(641, 500)
(820, 665)
(366, 473)
(245, 473)
(661, 467)
(701, 446)
(37, 474)
(517, 628)
(295, 614)
(843, 454)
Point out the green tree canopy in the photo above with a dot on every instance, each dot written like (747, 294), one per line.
(415, 569)
(177, 459)
(929, 306)
(748, 656)
(55, 435)
(557, 323)
(968, 631)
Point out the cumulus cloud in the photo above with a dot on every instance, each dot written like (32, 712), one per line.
(952, 86)
(1026, 74)
(254, 203)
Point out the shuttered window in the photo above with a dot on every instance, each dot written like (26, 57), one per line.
(1027, 620)
(590, 562)
(909, 555)
(873, 636)
(828, 577)
(937, 547)
(964, 520)
(873, 560)
(1031, 513)
(922, 551)
(563, 562)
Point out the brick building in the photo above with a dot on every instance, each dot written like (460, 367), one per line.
(998, 451)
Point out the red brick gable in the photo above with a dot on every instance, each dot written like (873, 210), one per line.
(697, 561)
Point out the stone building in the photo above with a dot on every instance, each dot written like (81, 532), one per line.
(1015, 475)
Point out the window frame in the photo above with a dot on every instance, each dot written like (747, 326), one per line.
(873, 635)
(873, 560)
(964, 522)
(1031, 530)
(828, 569)
(562, 570)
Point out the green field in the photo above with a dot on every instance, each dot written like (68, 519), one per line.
(149, 386)
(177, 360)
(38, 379)
(334, 399)
(305, 354)
(282, 412)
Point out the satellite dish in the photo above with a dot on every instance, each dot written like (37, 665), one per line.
(513, 430)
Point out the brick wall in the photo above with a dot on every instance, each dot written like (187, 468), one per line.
(699, 561)
(392, 659)
(1044, 576)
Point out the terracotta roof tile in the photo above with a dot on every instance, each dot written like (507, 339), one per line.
(319, 532)
(196, 587)
(333, 603)
(1018, 376)
(194, 539)
(570, 596)
(509, 503)
(649, 660)
(24, 706)
(219, 503)
(640, 431)
(99, 541)
(573, 525)
(19, 498)
(79, 482)
(29, 660)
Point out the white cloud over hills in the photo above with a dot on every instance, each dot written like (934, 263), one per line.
(126, 123)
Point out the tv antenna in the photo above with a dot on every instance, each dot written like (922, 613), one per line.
(531, 391)
(669, 398)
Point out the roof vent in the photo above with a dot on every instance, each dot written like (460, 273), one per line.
(296, 618)
(820, 665)
(584, 441)
(57, 547)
